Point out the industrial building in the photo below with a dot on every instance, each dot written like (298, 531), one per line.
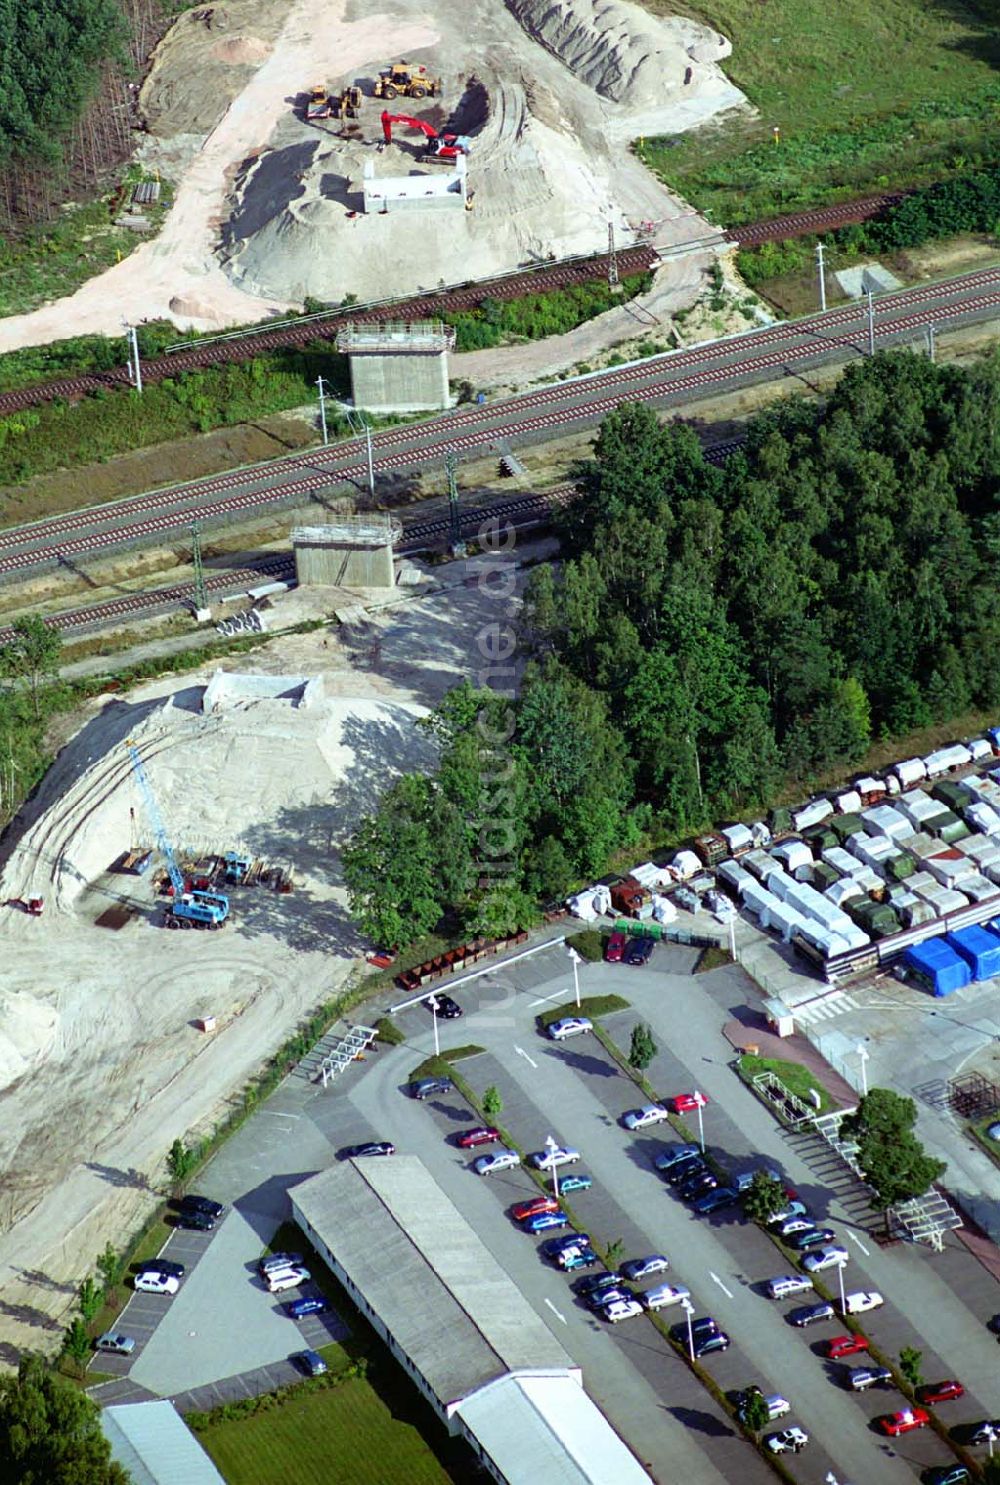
(152, 1442)
(456, 1322)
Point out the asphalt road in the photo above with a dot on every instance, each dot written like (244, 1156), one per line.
(786, 349)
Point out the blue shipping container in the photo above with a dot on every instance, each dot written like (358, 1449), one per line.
(979, 949)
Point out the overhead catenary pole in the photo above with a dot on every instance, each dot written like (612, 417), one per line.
(200, 592)
(134, 364)
(612, 256)
(451, 467)
(822, 277)
(871, 323)
(930, 342)
(322, 408)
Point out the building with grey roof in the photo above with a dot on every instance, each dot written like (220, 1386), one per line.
(456, 1322)
(152, 1441)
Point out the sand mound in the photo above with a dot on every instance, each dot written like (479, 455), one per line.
(27, 1031)
(617, 49)
(241, 49)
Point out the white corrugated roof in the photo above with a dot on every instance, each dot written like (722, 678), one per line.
(152, 1442)
(538, 1426)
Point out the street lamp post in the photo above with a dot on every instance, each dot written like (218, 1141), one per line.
(843, 1297)
(701, 1126)
(432, 1004)
(574, 956)
(864, 1055)
(689, 1311)
(552, 1145)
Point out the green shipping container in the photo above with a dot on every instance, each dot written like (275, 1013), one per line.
(824, 875)
(898, 868)
(844, 826)
(950, 794)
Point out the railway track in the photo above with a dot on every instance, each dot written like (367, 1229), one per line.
(244, 347)
(822, 219)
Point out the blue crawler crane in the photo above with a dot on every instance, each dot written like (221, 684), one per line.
(187, 909)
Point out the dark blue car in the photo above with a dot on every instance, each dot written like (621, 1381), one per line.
(309, 1304)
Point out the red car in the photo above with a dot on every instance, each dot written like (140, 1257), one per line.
(687, 1103)
(938, 1392)
(616, 948)
(902, 1422)
(537, 1204)
(845, 1345)
(478, 1136)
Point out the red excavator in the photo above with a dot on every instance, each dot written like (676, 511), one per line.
(446, 147)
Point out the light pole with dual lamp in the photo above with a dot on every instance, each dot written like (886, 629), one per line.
(574, 956)
(689, 1311)
(864, 1054)
(552, 1146)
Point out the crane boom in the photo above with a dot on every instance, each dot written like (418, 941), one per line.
(156, 820)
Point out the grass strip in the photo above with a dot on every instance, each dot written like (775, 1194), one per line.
(590, 1005)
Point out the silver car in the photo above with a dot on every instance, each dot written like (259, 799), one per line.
(118, 1345)
(502, 1159)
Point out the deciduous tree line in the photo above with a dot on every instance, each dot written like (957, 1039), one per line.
(712, 633)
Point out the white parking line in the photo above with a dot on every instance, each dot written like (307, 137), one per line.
(555, 1311)
(857, 1240)
(727, 1292)
(522, 1053)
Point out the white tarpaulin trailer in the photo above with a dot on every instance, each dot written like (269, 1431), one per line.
(813, 813)
(910, 772)
(945, 760)
(794, 853)
(885, 819)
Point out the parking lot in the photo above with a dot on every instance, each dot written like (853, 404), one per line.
(574, 1092)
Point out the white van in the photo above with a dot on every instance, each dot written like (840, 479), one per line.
(787, 1285)
(280, 1279)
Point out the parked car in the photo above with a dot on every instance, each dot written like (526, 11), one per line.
(904, 1421)
(671, 1154)
(311, 1362)
(369, 1147)
(443, 1007)
(698, 1185)
(815, 1263)
(572, 1259)
(150, 1283)
(550, 1159)
(643, 1268)
(844, 1345)
(706, 1344)
(481, 1135)
(939, 1392)
(788, 1441)
(279, 1260)
(558, 1031)
(575, 1181)
(986, 1432)
(688, 1103)
(947, 1474)
(777, 1406)
(309, 1304)
(792, 1225)
(863, 1377)
(862, 1301)
(615, 948)
(536, 1204)
(638, 951)
(427, 1087)
(552, 1247)
(194, 1221)
(790, 1210)
(815, 1237)
(502, 1159)
(663, 1295)
(683, 1170)
(160, 1266)
(621, 1309)
(704, 1326)
(594, 1283)
(743, 1180)
(784, 1286)
(195, 1203)
(811, 1314)
(650, 1113)
(280, 1279)
(115, 1343)
(598, 1301)
(545, 1221)
(714, 1201)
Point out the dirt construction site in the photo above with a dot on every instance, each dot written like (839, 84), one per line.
(104, 1055)
(269, 206)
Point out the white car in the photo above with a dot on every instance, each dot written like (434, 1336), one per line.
(788, 1441)
(650, 1113)
(549, 1159)
(863, 1300)
(815, 1263)
(791, 1225)
(664, 1295)
(502, 1159)
(156, 1283)
(278, 1280)
(621, 1309)
(558, 1031)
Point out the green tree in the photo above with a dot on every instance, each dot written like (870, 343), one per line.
(492, 1103)
(51, 1431)
(642, 1048)
(892, 1158)
(31, 655)
(615, 1250)
(909, 1364)
(754, 1412)
(111, 1267)
(764, 1196)
(90, 1297)
(76, 1341)
(180, 1161)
